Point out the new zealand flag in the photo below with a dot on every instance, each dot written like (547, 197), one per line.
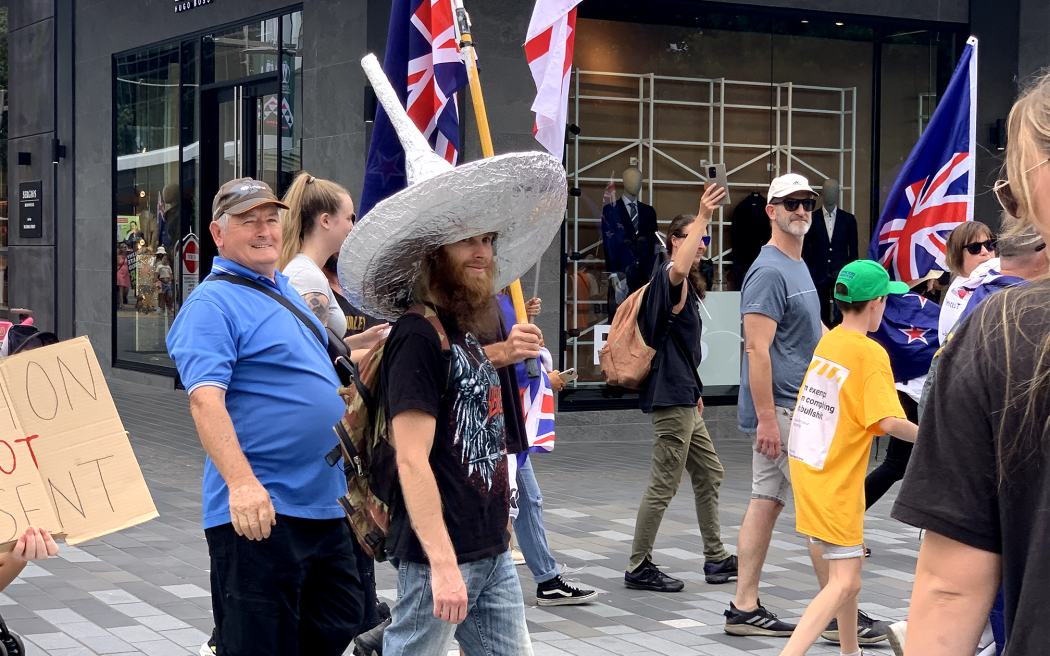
(934, 192)
(908, 332)
(423, 65)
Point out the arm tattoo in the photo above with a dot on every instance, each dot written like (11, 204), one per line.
(318, 305)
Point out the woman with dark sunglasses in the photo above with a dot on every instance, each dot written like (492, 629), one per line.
(970, 254)
(670, 395)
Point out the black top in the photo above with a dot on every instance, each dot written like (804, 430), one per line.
(824, 257)
(673, 379)
(356, 320)
(953, 487)
(469, 399)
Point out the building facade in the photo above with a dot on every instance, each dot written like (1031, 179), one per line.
(128, 116)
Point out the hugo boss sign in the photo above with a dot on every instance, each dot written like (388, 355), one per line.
(30, 209)
(186, 5)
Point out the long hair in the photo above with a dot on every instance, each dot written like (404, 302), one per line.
(678, 224)
(307, 199)
(962, 235)
(1017, 313)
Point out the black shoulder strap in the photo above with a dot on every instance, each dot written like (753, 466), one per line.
(239, 280)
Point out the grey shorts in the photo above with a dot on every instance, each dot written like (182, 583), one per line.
(838, 552)
(771, 479)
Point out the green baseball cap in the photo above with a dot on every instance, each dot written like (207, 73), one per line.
(865, 280)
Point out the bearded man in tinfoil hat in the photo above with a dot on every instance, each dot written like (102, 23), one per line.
(438, 250)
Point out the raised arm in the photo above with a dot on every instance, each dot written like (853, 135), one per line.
(687, 251)
(413, 437)
(251, 509)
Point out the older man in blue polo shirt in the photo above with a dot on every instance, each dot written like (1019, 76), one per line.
(263, 396)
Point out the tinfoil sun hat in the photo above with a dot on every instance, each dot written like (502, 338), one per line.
(519, 196)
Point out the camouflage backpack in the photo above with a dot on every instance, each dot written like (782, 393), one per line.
(368, 457)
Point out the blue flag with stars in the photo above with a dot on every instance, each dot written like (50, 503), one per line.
(908, 332)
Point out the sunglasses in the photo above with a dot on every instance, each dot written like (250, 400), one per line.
(791, 204)
(706, 238)
(975, 248)
(1005, 195)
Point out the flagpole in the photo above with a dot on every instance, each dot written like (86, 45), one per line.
(466, 45)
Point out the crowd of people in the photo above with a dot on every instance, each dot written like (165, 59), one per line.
(253, 347)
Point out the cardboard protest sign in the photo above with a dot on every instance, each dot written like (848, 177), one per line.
(65, 460)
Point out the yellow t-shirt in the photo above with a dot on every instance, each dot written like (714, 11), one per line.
(847, 391)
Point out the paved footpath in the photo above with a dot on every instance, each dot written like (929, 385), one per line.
(145, 590)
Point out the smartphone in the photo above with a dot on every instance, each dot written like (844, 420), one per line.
(716, 175)
(568, 375)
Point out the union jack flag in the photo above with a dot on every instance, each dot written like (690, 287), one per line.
(537, 398)
(423, 65)
(934, 192)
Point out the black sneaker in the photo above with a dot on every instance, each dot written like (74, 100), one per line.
(722, 572)
(370, 643)
(758, 622)
(869, 631)
(649, 577)
(559, 592)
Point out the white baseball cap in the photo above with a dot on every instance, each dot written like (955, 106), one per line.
(786, 185)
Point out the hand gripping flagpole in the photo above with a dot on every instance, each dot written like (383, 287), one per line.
(466, 45)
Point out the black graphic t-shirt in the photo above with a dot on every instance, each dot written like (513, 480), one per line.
(466, 395)
(356, 320)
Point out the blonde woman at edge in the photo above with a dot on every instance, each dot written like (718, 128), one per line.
(320, 215)
(978, 477)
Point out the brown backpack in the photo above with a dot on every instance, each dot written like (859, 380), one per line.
(626, 359)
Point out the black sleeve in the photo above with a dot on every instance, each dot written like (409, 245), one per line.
(414, 369)
(661, 298)
(951, 484)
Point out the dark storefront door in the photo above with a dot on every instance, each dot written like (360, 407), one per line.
(240, 128)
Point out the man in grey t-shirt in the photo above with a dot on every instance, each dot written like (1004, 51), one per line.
(781, 329)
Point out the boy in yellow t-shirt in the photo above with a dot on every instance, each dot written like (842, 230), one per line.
(846, 399)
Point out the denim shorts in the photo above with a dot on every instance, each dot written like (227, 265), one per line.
(838, 552)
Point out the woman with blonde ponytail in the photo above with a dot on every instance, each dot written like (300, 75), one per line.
(320, 215)
(979, 477)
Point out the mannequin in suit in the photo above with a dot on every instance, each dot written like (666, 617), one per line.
(629, 234)
(830, 244)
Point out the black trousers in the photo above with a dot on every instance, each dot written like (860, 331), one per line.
(898, 453)
(296, 592)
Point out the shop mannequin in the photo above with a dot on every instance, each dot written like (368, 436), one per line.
(629, 234)
(830, 244)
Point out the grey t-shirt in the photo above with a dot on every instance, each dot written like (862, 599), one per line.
(306, 277)
(782, 289)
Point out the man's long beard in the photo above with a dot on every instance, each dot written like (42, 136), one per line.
(467, 298)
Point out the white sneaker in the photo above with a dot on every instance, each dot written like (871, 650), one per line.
(896, 634)
(519, 558)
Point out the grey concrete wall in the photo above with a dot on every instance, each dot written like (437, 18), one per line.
(31, 126)
(1033, 46)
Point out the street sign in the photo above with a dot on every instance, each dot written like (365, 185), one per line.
(190, 265)
(30, 209)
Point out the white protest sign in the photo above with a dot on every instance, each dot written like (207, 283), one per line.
(817, 413)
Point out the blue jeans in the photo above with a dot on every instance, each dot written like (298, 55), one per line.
(528, 526)
(495, 622)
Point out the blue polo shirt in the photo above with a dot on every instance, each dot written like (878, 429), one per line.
(280, 391)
